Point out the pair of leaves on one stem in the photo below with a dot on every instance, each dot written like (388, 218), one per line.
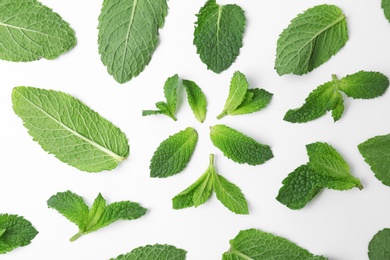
(15, 231)
(195, 96)
(328, 97)
(98, 216)
(326, 169)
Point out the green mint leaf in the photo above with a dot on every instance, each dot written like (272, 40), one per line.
(315, 106)
(173, 154)
(237, 92)
(364, 84)
(128, 35)
(326, 161)
(218, 34)
(31, 31)
(167, 108)
(255, 100)
(259, 245)
(379, 246)
(239, 147)
(70, 130)
(376, 153)
(328, 97)
(299, 188)
(71, 206)
(196, 99)
(230, 195)
(325, 169)
(100, 215)
(386, 8)
(154, 252)
(199, 192)
(15, 231)
(311, 39)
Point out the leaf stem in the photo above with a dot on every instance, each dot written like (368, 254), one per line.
(211, 159)
(79, 234)
(334, 77)
(222, 115)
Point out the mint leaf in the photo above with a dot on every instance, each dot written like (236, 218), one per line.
(199, 192)
(128, 35)
(230, 195)
(255, 100)
(379, 246)
(218, 34)
(242, 100)
(70, 130)
(299, 188)
(173, 154)
(167, 108)
(328, 97)
(386, 8)
(154, 252)
(364, 84)
(100, 215)
(259, 245)
(196, 99)
(326, 169)
(31, 31)
(377, 154)
(15, 231)
(239, 147)
(311, 39)
(237, 92)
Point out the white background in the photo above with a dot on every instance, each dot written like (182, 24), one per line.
(335, 224)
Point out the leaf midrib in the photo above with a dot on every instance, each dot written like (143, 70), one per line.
(89, 141)
(28, 30)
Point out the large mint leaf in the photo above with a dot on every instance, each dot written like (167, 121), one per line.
(239, 147)
(218, 34)
(70, 130)
(128, 35)
(376, 152)
(15, 231)
(31, 31)
(254, 244)
(311, 39)
(379, 246)
(154, 252)
(98, 216)
(173, 154)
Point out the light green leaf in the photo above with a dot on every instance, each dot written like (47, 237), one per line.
(315, 106)
(100, 215)
(376, 152)
(199, 192)
(238, 89)
(254, 244)
(379, 246)
(230, 195)
(299, 188)
(386, 8)
(239, 147)
(196, 99)
(154, 252)
(173, 154)
(218, 34)
(70, 130)
(30, 31)
(364, 84)
(128, 35)
(167, 108)
(195, 195)
(327, 162)
(16, 231)
(311, 39)
(337, 106)
(255, 100)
